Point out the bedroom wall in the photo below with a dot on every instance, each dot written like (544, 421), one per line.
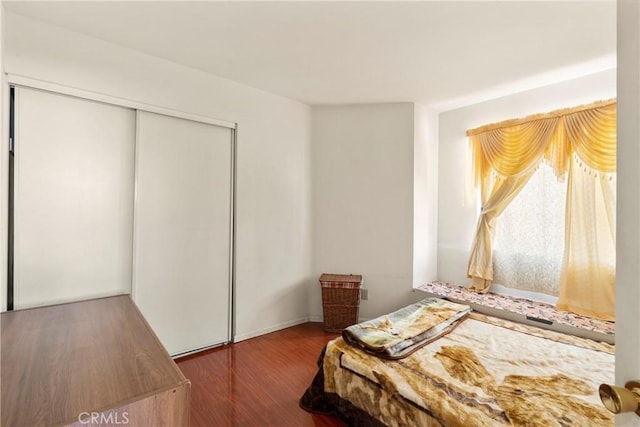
(425, 195)
(457, 218)
(273, 240)
(363, 190)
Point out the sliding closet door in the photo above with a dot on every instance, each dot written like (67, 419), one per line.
(182, 231)
(73, 201)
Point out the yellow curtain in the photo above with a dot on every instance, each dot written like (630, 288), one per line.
(505, 154)
(496, 195)
(587, 281)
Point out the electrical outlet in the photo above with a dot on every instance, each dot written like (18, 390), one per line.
(364, 294)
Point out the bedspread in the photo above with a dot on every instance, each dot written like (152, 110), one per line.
(487, 372)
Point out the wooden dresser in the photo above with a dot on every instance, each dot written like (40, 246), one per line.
(93, 362)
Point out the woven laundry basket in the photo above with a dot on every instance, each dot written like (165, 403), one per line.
(340, 300)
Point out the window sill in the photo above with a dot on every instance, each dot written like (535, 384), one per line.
(522, 310)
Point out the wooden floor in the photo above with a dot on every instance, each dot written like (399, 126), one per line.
(257, 382)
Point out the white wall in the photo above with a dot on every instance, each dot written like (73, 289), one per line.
(273, 179)
(425, 196)
(363, 159)
(457, 220)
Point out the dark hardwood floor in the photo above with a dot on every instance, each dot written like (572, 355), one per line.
(257, 382)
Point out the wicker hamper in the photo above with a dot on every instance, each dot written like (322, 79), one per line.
(340, 300)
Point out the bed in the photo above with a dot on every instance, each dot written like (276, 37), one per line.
(476, 370)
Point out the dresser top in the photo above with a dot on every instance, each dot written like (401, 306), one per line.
(60, 361)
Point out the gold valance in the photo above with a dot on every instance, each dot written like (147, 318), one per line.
(517, 146)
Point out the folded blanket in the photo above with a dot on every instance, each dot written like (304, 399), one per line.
(396, 335)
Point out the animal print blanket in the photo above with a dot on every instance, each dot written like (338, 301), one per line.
(487, 372)
(398, 334)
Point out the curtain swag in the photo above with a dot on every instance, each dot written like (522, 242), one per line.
(506, 154)
(517, 146)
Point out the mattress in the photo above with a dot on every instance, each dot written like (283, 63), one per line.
(486, 372)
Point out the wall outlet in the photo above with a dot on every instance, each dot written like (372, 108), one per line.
(364, 294)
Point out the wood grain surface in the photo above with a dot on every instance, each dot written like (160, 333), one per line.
(257, 382)
(84, 357)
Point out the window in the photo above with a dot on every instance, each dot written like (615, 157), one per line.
(529, 240)
(579, 143)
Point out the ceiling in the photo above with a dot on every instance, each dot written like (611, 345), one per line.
(441, 53)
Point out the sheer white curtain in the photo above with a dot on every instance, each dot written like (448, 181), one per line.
(529, 240)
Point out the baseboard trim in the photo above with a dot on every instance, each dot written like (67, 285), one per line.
(279, 326)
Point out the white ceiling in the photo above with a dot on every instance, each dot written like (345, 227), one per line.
(440, 53)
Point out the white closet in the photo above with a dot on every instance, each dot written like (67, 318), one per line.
(182, 250)
(73, 204)
(110, 200)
